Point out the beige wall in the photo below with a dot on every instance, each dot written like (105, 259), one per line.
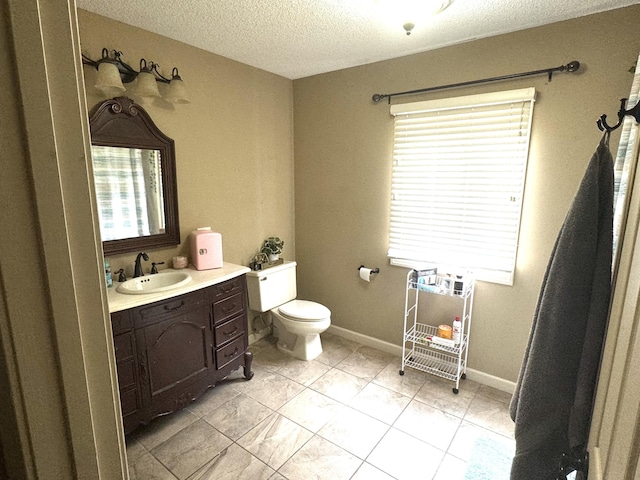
(234, 144)
(342, 171)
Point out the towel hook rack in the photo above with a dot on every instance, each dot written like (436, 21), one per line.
(634, 112)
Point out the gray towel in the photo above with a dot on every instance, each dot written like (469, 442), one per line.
(553, 401)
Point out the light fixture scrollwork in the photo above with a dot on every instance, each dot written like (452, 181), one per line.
(113, 73)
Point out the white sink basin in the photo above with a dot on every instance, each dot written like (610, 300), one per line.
(160, 282)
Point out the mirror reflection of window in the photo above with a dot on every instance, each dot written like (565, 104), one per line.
(128, 185)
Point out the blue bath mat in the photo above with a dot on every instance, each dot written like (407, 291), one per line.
(490, 460)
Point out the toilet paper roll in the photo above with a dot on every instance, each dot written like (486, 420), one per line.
(365, 274)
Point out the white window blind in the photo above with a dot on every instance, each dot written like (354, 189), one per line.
(459, 167)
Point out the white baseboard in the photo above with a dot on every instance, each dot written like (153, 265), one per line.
(366, 340)
(491, 380)
(475, 375)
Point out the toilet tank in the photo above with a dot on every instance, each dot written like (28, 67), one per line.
(271, 287)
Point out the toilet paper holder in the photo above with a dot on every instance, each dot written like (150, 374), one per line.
(374, 270)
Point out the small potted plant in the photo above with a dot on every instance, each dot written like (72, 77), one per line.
(272, 247)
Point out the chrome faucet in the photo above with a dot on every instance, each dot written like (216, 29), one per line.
(137, 271)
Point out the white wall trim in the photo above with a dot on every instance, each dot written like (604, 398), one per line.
(595, 464)
(75, 429)
(491, 380)
(366, 340)
(475, 375)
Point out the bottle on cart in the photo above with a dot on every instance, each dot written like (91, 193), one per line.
(456, 330)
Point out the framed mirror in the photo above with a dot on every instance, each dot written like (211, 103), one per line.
(134, 170)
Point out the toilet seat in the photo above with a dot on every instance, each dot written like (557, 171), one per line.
(304, 311)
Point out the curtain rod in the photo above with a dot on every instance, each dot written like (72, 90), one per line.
(569, 67)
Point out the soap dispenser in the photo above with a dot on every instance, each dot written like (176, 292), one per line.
(107, 273)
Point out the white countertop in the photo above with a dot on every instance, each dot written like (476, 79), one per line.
(199, 279)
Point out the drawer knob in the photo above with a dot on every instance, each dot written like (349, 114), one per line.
(231, 332)
(229, 308)
(232, 354)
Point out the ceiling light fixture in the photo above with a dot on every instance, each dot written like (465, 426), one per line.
(113, 73)
(408, 27)
(410, 12)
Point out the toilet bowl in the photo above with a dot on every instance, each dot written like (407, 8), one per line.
(298, 325)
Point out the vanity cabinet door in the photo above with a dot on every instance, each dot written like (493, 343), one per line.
(175, 358)
(169, 352)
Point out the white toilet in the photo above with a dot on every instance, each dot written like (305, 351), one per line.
(297, 323)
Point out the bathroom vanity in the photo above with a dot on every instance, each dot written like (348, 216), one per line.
(170, 347)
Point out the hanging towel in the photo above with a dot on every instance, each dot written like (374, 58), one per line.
(553, 400)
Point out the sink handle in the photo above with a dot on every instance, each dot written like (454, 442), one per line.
(154, 268)
(121, 276)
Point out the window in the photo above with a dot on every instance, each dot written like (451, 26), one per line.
(128, 184)
(459, 167)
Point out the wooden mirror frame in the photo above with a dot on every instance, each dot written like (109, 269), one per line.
(119, 122)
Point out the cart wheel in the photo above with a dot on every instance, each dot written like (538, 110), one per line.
(401, 372)
(463, 376)
(455, 390)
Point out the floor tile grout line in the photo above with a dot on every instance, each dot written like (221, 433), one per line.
(342, 405)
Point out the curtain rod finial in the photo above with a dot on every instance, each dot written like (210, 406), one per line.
(573, 66)
(377, 97)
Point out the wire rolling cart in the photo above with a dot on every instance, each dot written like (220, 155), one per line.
(418, 349)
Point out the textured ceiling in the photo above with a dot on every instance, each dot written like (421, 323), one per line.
(300, 38)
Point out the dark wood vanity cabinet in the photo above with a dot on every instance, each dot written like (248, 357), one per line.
(169, 352)
(126, 364)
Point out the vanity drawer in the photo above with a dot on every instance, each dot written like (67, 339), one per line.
(121, 322)
(228, 288)
(229, 330)
(124, 346)
(176, 304)
(225, 354)
(228, 308)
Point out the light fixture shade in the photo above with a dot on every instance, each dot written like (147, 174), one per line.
(109, 81)
(177, 91)
(146, 85)
(410, 13)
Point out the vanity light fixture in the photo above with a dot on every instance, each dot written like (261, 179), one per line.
(113, 73)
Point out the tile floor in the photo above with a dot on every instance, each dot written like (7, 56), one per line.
(346, 415)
